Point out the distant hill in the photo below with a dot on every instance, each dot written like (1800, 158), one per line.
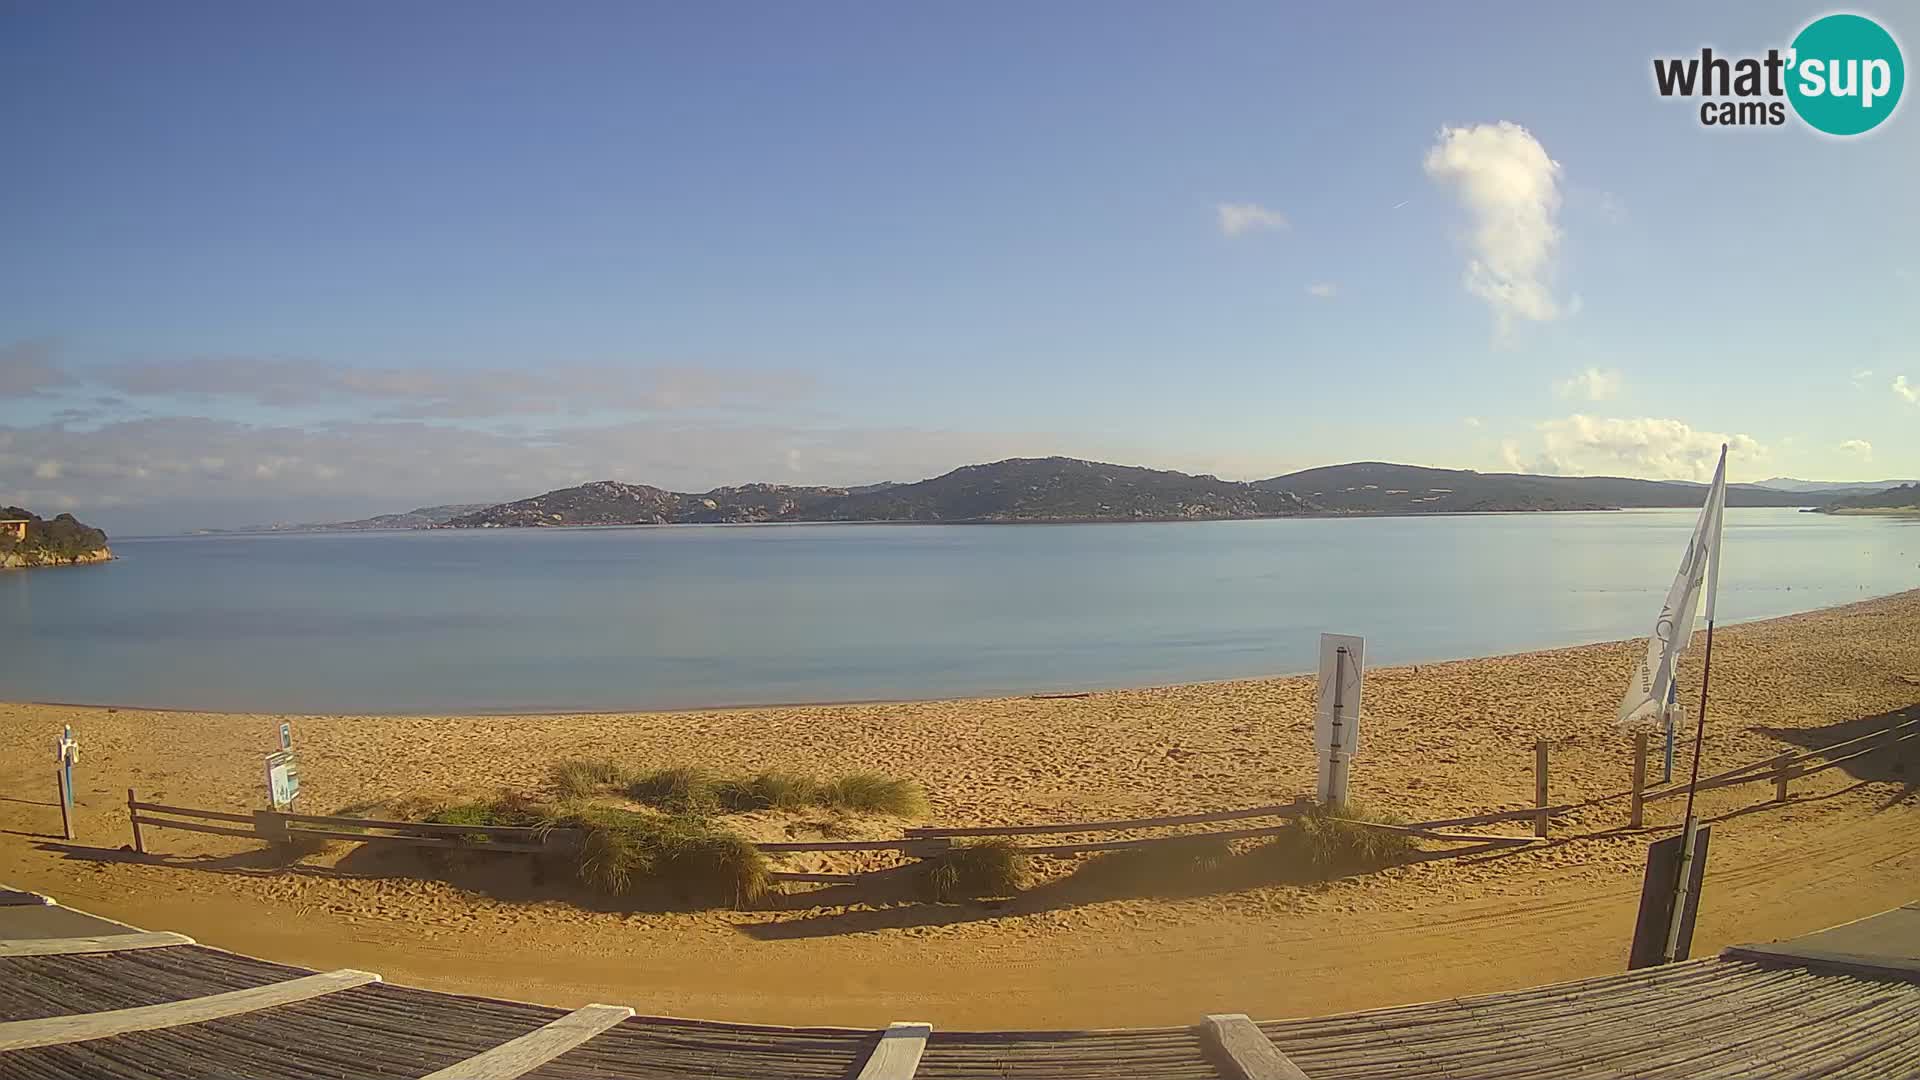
(420, 518)
(425, 517)
(1019, 489)
(1902, 499)
(1375, 487)
(1830, 487)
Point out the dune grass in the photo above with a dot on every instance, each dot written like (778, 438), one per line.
(577, 778)
(977, 871)
(1329, 841)
(623, 852)
(690, 789)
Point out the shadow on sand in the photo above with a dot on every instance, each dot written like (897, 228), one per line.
(1897, 764)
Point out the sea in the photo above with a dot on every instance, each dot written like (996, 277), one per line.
(667, 617)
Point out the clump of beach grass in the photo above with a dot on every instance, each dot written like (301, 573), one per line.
(875, 794)
(976, 871)
(681, 789)
(577, 778)
(690, 789)
(771, 790)
(1333, 840)
(622, 851)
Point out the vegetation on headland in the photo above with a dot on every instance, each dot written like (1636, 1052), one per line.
(1069, 489)
(61, 540)
(1904, 499)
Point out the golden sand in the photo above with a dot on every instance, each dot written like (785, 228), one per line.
(1440, 740)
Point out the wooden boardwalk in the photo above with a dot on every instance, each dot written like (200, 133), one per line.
(1845, 1002)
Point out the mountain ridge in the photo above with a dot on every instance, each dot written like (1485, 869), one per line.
(1062, 489)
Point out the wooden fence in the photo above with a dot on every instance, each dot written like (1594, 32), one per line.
(1782, 768)
(283, 828)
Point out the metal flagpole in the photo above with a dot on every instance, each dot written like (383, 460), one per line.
(1673, 698)
(1699, 737)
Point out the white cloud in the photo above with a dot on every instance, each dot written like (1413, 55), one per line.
(1237, 218)
(1592, 384)
(1650, 447)
(1471, 421)
(1860, 377)
(1324, 290)
(1511, 188)
(1907, 391)
(1859, 448)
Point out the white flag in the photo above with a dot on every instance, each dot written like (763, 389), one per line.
(1652, 680)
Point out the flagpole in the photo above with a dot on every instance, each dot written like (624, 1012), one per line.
(1692, 826)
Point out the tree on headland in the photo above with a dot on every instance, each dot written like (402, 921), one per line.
(62, 539)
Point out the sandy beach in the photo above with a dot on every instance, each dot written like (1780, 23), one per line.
(1440, 740)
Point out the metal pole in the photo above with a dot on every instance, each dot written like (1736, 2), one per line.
(66, 818)
(1693, 823)
(1336, 762)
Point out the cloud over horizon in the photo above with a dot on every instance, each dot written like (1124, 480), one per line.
(1593, 384)
(1648, 447)
(1510, 188)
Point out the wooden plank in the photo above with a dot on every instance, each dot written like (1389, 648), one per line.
(1243, 1052)
(1529, 814)
(413, 841)
(1147, 841)
(527, 833)
(1637, 812)
(188, 826)
(1435, 834)
(517, 1057)
(1541, 817)
(815, 879)
(181, 811)
(897, 1055)
(71, 946)
(55, 1030)
(911, 844)
(1292, 809)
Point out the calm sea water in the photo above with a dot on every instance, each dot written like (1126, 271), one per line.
(664, 617)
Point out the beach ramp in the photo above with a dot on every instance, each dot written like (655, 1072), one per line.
(98, 999)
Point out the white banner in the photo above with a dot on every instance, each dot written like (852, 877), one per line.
(1652, 679)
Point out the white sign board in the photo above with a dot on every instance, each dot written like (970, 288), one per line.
(1336, 716)
(283, 778)
(1341, 677)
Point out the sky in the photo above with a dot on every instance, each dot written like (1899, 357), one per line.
(303, 262)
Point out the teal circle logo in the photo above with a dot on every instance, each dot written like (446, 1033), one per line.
(1845, 74)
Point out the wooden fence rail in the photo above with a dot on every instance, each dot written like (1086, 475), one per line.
(1781, 768)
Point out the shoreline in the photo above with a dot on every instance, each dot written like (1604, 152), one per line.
(1441, 740)
(1056, 693)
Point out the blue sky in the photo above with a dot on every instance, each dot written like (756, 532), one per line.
(274, 262)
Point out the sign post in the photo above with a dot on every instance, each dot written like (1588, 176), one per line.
(66, 750)
(1336, 722)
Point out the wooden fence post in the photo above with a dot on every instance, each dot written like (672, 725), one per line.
(1782, 772)
(1637, 812)
(1540, 786)
(134, 816)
